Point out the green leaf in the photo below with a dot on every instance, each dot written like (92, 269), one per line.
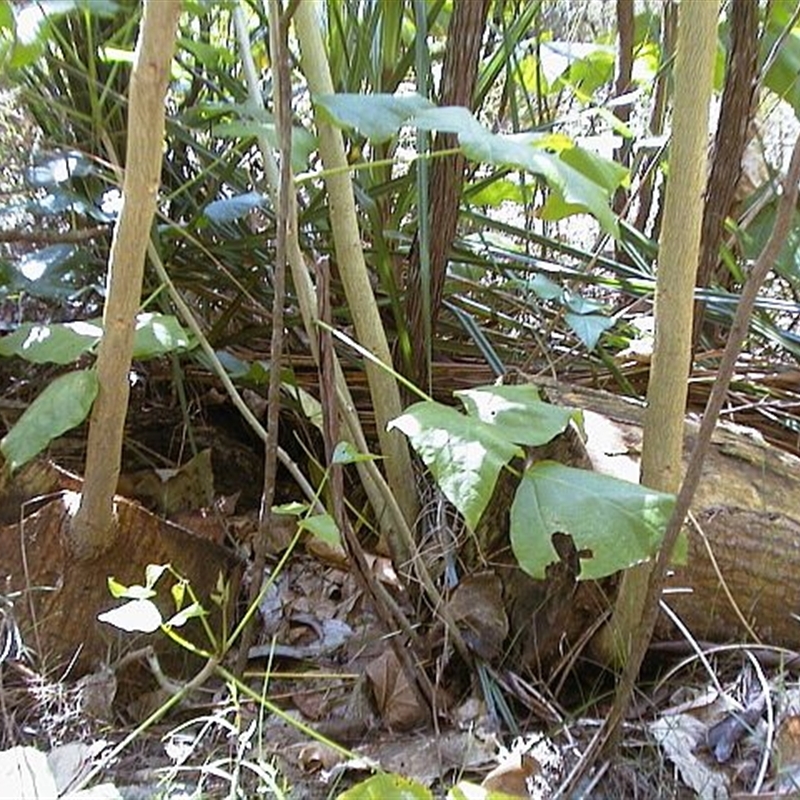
(493, 193)
(576, 191)
(348, 453)
(588, 327)
(378, 116)
(64, 404)
(192, 611)
(781, 78)
(178, 592)
(518, 412)
(64, 343)
(230, 209)
(545, 288)
(383, 786)
(157, 335)
(599, 170)
(464, 454)
(115, 588)
(6, 16)
(292, 509)
(54, 344)
(324, 527)
(618, 523)
(303, 142)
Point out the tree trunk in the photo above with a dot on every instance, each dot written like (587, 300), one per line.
(677, 266)
(459, 73)
(735, 116)
(92, 529)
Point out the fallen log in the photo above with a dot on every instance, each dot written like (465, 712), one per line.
(740, 581)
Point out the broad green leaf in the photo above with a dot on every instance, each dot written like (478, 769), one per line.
(64, 343)
(64, 404)
(617, 523)
(323, 527)
(140, 616)
(576, 191)
(157, 335)
(599, 170)
(54, 344)
(387, 786)
(545, 288)
(36, 264)
(252, 124)
(464, 454)
(518, 412)
(588, 327)
(557, 57)
(6, 16)
(586, 75)
(493, 193)
(378, 116)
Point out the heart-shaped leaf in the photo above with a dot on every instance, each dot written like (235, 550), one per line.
(616, 524)
(464, 454)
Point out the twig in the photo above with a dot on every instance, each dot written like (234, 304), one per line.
(278, 31)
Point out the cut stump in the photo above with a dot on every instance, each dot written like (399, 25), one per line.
(56, 598)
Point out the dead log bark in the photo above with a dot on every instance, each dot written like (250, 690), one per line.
(740, 579)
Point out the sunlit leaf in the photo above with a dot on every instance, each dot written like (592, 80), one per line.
(518, 412)
(387, 785)
(157, 335)
(141, 616)
(54, 344)
(464, 454)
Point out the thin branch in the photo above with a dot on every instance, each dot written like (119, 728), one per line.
(281, 81)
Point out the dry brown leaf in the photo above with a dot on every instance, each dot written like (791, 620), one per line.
(396, 699)
(478, 609)
(512, 777)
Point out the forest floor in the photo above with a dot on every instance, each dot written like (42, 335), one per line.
(338, 706)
